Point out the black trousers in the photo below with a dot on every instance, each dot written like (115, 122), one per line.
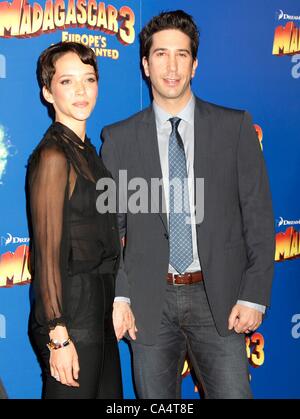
(99, 361)
(96, 381)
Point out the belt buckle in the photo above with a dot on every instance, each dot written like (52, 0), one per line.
(177, 276)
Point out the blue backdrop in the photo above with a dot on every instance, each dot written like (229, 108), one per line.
(249, 58)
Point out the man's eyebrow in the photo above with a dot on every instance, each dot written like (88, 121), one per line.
(160, 49)
(166, 49)
(184, 50)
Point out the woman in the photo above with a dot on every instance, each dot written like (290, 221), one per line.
(75, 249)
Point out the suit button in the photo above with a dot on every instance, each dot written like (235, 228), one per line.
(166, 236)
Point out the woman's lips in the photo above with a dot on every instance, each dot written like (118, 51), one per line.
(81, 104)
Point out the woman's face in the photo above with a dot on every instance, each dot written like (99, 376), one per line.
(74, 90)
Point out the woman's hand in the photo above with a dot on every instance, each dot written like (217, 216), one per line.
(64, 365)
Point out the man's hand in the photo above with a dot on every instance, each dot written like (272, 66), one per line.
(123, 320)
(244, 319)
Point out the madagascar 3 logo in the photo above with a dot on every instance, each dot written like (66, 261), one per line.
(14, 267)
(259, 133)
(286, 39)
(20, 19)
(287, 245)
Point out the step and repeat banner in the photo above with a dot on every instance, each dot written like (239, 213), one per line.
(249, 58)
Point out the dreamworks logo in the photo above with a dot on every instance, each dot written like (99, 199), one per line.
(2, 326)
(282, 222)
(10, 239)
(2, 67)
(285, 16)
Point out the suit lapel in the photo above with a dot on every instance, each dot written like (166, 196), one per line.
(202, 149)
(202, 156)
(147, 145)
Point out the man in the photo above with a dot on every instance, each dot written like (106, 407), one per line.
(193, 287)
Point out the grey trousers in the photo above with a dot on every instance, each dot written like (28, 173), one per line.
(220, 363)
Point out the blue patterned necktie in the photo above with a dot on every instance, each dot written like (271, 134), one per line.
(180, 231)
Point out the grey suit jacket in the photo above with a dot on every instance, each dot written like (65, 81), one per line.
(236, 238)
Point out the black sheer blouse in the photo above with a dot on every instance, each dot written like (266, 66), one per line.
(69, 236)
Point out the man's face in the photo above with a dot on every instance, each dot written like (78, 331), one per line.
(170, 66)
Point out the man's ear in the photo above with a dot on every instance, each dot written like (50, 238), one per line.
(47, 95)
(195, 65)
(146, 66)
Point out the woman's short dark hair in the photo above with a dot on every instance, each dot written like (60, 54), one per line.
(48, 58)
(177, 19)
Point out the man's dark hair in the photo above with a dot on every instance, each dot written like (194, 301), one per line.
(176, 19)
(48, 58)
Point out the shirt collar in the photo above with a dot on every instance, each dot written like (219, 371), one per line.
(186, 114)
(71, 136)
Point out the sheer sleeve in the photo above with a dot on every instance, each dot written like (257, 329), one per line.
(48, 186)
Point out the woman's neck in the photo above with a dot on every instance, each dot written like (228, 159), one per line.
(79, 127)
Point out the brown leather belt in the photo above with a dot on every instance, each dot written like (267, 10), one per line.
(185, 279)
